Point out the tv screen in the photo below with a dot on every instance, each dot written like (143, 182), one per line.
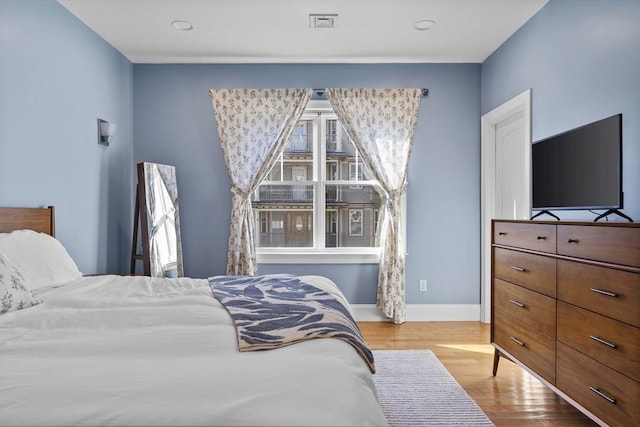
(580, 168)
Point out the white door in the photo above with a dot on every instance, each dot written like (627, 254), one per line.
(506, 176)
(512, 169)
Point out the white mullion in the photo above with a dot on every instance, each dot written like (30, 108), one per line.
(320, 162)
(318, 187)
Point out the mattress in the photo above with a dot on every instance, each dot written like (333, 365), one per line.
(113, 350)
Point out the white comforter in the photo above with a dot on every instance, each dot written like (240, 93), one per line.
(113, 350)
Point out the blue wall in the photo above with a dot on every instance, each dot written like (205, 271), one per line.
(174, 124)
(57, 77)
(581, 59)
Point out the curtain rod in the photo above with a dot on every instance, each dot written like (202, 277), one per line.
(320, 92)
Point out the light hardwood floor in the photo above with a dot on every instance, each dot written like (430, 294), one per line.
(511, 398)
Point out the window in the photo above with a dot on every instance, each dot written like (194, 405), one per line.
(355, 222)
(355, 174)
(308, 209)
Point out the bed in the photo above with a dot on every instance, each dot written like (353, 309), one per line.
(118, 350)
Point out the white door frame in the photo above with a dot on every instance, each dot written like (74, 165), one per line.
(518, 105)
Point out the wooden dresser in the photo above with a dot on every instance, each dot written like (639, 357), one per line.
(565, 305)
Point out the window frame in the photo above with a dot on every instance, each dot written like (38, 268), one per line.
(319, 111)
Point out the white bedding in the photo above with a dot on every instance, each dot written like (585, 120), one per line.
(111, 350)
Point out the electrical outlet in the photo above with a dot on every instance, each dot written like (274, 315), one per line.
(423, 285)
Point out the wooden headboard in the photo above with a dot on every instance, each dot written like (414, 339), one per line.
(37, 219)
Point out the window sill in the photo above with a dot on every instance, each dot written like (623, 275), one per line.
(317, 257)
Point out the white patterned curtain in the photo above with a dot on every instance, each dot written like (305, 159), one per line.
(382, 123)
(253, 125)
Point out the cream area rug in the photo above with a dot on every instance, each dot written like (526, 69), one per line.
(415, 389)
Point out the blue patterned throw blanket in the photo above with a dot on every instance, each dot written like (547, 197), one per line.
(277, 310)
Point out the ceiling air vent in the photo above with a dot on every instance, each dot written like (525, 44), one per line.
(323, 20)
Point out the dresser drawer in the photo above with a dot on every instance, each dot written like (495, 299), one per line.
(537, 237)
(579, 377)
(620, 245)
(614, 343)
(613, 293)
(535, 272)
(532, 308)
(529, 346)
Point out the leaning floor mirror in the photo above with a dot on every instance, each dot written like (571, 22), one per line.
(157, 214)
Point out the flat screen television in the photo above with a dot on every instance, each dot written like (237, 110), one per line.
(580, 168)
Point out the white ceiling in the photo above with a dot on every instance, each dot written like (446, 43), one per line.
(278, 31)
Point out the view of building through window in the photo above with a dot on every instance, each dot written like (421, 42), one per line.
(319, 194)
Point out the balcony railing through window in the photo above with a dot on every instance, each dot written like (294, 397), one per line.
(284, 193)
(299, 144)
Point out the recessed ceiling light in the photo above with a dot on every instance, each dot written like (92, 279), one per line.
(182, 25)
(424, 24)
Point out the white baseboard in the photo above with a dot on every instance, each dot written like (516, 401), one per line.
(421, 312)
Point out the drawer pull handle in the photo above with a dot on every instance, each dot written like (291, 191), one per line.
(601, 341)
(542, 237)
(602, 395)
(517, 341)
(502, 233)
(520, 269)
(601, 292)
(519, 304)
(573, 241)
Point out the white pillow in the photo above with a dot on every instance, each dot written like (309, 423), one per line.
(41, 258)
(14, 292)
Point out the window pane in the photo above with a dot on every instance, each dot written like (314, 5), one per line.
(344, 162)
(284, 209)
(298, 151)
(351, 216)
(284, 215)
